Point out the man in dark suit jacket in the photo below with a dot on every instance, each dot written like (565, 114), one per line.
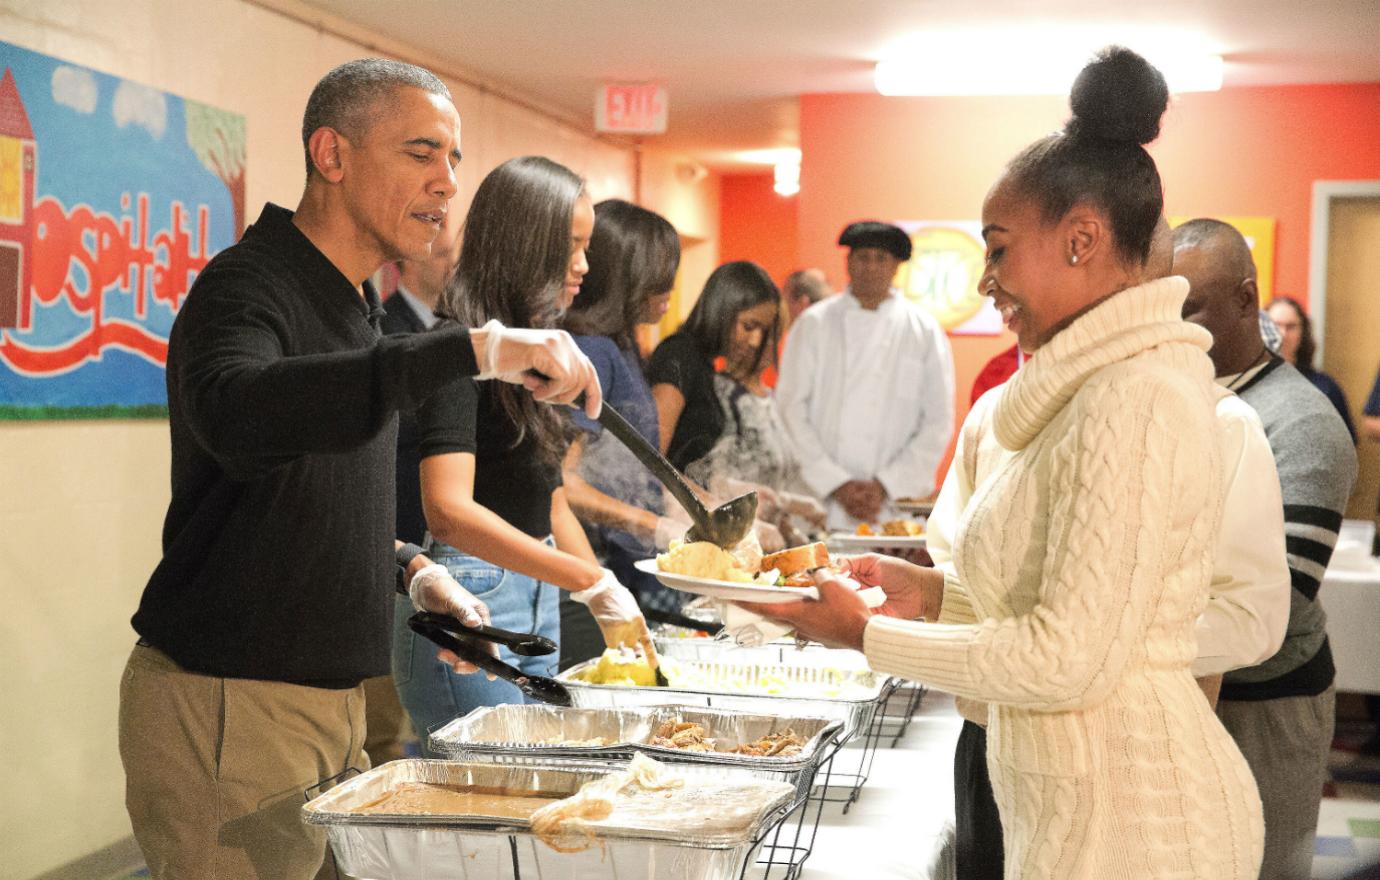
(410, 309)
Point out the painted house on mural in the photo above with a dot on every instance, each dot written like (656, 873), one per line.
(18, 156)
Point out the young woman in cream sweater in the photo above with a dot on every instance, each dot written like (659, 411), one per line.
(1086, 557)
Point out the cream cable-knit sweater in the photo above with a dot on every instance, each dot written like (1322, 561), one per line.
(1087, 558)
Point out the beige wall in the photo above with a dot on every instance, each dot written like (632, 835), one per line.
(85, 500)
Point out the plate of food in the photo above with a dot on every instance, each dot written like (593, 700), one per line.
(914, 505)
(896, 534)
(706, 570)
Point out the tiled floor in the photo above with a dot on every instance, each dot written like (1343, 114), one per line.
(1349, 821)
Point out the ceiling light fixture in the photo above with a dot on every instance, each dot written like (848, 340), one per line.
(787, 178)
(1042, 62)
(774, 156)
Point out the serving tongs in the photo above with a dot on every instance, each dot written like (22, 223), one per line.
(459, 639)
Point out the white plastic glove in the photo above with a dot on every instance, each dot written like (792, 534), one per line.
(768, 501)
(561, 372)
(769, 536)
(805, 507)
(616, 612)
(669, 529)
(433, 589)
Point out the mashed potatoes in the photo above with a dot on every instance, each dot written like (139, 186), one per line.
(620, 667)
(703, 559)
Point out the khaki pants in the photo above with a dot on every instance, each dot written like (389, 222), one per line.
(386, 722)
(1286, 742)
(215, 769)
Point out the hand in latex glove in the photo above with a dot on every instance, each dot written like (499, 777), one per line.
(768, 501)
(769, 536)
(805, 507)
(912, 592)
(616, 612)
(559, 371)
(433, 589)
(669, 529)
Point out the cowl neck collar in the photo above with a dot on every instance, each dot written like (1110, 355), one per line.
(1118, 328)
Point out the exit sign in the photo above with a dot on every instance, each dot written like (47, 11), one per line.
(630, 109)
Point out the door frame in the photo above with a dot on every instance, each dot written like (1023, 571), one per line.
(1324, 191)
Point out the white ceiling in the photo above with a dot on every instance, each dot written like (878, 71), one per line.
(733, 68)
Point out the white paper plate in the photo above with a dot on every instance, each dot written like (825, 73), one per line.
(717, 589)
(849, 541)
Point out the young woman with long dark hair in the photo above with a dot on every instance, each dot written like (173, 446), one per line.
(720, 427)
(633, 258)
(496, 511)
(735, 318)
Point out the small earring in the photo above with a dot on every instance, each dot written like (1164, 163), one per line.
(1073, 260)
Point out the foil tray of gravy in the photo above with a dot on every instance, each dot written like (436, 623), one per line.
(812, 685)
(471, 822)
(532, 733)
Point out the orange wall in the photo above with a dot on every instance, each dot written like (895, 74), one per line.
(757, 224)
(1251, 151)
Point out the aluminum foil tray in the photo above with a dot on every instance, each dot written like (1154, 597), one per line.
(808, 689)
(531, 733)
(783, 652)
(646, 840)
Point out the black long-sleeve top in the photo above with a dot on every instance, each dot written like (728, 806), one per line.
(512, 477)
(283, 401)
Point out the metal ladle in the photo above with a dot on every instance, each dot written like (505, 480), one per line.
(725, 525)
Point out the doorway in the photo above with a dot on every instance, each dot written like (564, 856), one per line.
(1350, 337)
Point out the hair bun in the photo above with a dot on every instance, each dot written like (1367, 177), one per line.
(1119, 96)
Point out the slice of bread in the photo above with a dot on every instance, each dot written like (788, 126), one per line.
(797, 559)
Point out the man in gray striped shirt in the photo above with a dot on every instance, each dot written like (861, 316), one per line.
(1280, 712)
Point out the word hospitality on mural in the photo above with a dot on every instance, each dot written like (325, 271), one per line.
(113, 196)
(80, 258)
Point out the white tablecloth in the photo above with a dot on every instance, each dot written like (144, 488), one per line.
(1350, 595)
(902, 826)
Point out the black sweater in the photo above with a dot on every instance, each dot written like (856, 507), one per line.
(283, 401)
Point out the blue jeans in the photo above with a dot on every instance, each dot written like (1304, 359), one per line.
(430, 692)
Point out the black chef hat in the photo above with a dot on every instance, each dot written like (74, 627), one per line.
(883, 236)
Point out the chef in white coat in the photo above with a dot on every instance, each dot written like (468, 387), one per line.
(867, 386)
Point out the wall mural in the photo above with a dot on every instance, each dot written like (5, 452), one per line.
(113, 195)
(942, 275)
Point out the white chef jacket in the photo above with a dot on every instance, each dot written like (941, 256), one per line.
(1248, 601)
(867, 394)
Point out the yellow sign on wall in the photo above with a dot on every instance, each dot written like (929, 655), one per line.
(1259, 233)
(942, 275)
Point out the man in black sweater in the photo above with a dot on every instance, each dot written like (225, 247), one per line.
(272, 601)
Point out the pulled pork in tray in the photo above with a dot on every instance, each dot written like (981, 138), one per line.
(690, 737)
(678, 734)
